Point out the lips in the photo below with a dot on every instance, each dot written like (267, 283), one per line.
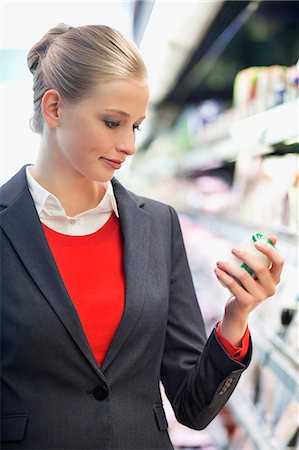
(114, 163)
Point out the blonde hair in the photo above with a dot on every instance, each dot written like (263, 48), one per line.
(74, 60)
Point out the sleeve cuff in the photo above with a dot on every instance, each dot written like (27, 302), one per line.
(236, 353)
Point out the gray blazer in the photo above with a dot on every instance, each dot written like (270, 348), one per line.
(54, 395)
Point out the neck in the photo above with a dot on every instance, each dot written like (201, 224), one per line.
(75, 192)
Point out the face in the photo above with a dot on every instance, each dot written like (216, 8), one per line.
(96, 135)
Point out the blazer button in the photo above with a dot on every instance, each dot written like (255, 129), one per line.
(100, 392)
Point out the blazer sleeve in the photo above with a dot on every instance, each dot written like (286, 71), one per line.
(197, 374)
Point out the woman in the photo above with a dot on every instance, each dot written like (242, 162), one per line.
(98, 303)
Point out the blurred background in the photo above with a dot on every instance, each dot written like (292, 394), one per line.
(220, 144)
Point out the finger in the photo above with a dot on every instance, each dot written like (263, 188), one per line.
(265, 282)
(237, 290)
(272, 238)
(264, 258)
(241, 275)
(274, 256)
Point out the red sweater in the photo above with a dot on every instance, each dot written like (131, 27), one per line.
(92, 270)
(91, 267)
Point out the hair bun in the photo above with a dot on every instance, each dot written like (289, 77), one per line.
(60, 28)
(40, 49)
(33, 60)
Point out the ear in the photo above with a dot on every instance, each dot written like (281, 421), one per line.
(51, 107)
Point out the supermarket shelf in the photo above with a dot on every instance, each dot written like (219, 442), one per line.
(209, 153)
(275, 355)
(280, 346)
(270, 350)
(257, 133)
(245, 413)
(270, 127)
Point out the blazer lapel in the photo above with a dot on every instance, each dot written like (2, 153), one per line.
(134, 222)
(21, 224)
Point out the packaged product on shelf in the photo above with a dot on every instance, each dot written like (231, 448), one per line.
(290, 209)
(292, 82)
(264, 199)
(244, 91)
(277, 89)
(257, 89)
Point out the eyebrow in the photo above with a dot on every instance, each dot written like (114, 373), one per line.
(118, 111)
(122, 113)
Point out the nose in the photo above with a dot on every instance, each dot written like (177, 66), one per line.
(127, 144)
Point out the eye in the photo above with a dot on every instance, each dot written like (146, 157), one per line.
(136, 127)
(111, 123)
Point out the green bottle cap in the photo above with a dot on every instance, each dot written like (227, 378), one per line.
(261, 237)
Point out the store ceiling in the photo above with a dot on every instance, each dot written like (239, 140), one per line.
(170, 37)
(242, 34)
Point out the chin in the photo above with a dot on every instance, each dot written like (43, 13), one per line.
(102, 178)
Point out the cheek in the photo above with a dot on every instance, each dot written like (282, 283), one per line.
(86, 137)
(83, 138)
(98, 140)
(86, 131)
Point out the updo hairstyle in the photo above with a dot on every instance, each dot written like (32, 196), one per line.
(74, 60)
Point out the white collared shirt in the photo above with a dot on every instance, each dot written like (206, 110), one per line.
(53, 215)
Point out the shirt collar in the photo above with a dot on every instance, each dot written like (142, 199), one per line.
(45, 201)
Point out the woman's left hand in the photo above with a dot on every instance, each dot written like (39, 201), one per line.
(248, 292)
